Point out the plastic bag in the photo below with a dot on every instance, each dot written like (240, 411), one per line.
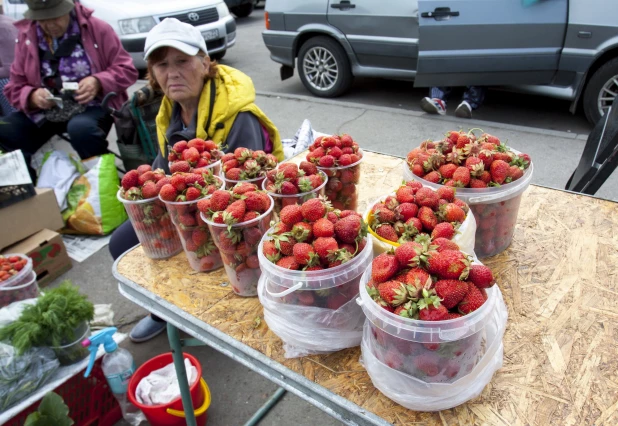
(59, 171)
(304, 137)
(309, 330)
(22, 375)
(93, 208)
(418, 395)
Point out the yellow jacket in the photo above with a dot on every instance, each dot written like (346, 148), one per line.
(235, 93)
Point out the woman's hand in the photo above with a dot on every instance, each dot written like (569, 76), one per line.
(38, 99)
(88, 89)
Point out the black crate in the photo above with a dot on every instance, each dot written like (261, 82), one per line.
(15, 193)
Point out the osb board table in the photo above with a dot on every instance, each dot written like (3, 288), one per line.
(558, 278)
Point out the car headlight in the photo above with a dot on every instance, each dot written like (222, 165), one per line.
(222, 10)
(137, 25)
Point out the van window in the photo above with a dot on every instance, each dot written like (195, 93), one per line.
(17, 1)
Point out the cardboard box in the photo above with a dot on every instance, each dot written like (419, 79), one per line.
(28, 217)
(48, 253)
(15, 181)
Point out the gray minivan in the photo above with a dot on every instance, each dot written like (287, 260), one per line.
(567, 49)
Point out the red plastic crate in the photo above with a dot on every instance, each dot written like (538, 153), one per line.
(89, 399)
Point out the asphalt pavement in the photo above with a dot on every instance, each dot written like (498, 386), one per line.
(382, 116)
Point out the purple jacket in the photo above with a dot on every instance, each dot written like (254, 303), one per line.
(8, 33)
(111, 64)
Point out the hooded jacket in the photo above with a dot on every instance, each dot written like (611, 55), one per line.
(234, 93)
(110, 63)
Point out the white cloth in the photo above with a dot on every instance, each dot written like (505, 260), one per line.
(161, 386)
(58, 172)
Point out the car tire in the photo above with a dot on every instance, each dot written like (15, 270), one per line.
(218, 56)
(243, 10)
(332, 83)
(606, 74)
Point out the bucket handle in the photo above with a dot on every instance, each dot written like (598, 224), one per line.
(199, 411)
(284, 292)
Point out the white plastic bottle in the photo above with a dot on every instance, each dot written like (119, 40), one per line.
(118, 367)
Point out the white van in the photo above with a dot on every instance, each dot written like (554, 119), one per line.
(132, 19)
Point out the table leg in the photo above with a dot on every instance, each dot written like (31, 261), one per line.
(181, 373)
(261, 412)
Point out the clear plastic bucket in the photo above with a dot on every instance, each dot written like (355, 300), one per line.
(342, 186)
(19, 292)
(433, 352)
(285, 200)
(495, 210)
(229, 183)
(195, 235)
(73, 351)
(20, 277)
(153, 226)
(240, 259)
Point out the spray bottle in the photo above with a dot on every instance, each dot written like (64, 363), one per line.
(118, 367)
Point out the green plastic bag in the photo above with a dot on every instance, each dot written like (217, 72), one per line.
(93, 208)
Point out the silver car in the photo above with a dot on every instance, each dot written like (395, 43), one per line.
(567, 49)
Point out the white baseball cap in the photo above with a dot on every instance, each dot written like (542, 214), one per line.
(172, 33)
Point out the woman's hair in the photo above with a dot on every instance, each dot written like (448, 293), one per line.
(160, 53)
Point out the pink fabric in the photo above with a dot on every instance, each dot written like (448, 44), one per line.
(268, 144)
(111, 64)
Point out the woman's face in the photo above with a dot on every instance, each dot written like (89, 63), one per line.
(181, 76)
(55, 27)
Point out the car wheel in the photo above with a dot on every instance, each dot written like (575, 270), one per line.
(243, 10)
(218, 56)
(324, 67)
(601, 91)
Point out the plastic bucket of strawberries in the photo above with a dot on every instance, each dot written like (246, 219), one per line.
(490, 177)
(246, 165)
(416, 212)
(196, 155)
(182, 197)
(22, 291)
(435, 322)
(340, 158)
(294, 184)
(237, 219)
(15, 269)
(312, 261)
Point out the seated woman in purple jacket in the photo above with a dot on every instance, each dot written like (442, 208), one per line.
(62, 51)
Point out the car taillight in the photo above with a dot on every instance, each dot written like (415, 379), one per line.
(266, 20)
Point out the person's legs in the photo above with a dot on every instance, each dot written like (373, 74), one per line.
(88, 132)
(435, 103)
(17, 131)
(5, 106)
(473, 98)
(123, 238)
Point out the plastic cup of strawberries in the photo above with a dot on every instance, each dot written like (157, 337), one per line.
(246, 165)
(237, 219)
(340, 158)
(292, 184)
(491, 178)
(428, 318)
(27, 289)
(15, 269)
(139, 193)
(196, 155)
(182, 197)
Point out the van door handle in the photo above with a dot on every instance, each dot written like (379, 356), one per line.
(440, 12)
(343, 5)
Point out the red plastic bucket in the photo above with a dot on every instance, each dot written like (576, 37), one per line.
(171, 414)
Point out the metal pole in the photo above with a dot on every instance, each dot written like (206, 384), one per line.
(255, 419)
(181, 373)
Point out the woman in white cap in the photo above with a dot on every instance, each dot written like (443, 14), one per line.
(202, 100)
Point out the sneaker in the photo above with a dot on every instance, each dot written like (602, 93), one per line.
(146, 329)
(464, 110)
(433, 106)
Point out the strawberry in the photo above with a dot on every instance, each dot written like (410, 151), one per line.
(443, 230)
(444, 244)
(447, 170)
(462, 175)
(270, 251)
(306, 298)
(393, 292)
(288, 262)
(477, 183)
(383, 267)
(323, 246)
(446, 193)
(449, 264)
(254, 201)
(499, 170)
(308, 167)
(428, 218)
(178, 181)
(405, 194)
(481, 276)
(313, 209)
(323, 228)
(336, 301)
(452, 213)
(473, 300)
(235, 212)
(180, 167)
(199, 236)
(349, 229)
(427, 197)
(405, 211)
(304, 254)
(220, 200)
(427, 364)
(302, 232)
(291, 214)
(407, 252)
(179, 146)
(130, 179)
(143, 169)
(149, 190)
(387, 232)
(187, 220)
(168, 193)
(192, 194)
(514, 173)
(327, 161)
(451, 292)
